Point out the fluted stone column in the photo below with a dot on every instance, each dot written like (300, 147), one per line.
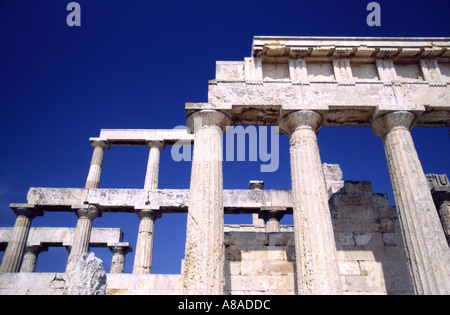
(204, 268)
(152, 175)
(315, 247)
(426, 246)
(118, 260)
(93, 179)
(144, 244)
(86, 214)
(12, 258)
(30, 259)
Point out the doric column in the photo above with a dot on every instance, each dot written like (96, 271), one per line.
(204, 269)
(315, 247)
(86, 214)
(118, 260)
(144, 244)
(426, 247)
(440, 190)
(30, 259)
(93, 179)
(272, 217)
(152, 175)
(19, 235)
(257, 185)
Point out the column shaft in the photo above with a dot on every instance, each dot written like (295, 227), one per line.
(315, 247)
(86, 214)
(118, 259)
(426, 246)
(204, 257)
(95, 170)
(30, 258)
(144, 244)
(152, 175)
(12, 258)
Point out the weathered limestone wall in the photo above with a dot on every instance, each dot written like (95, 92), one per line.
(370, 251)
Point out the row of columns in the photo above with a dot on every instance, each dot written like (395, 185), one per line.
(14, 260)
(316, 261)
(32, 252)
(317, 270)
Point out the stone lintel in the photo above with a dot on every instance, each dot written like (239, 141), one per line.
(144, 136)
(62, 236)
(166, 200)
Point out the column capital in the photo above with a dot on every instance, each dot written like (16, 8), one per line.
(256, 184)
(301, 118)
(159, 144)
(271, 213)
(36, 249)
(25, 209)
(87, 211)
(96, 142)
(153, 214)
(392, 120)
(120, 248)
(208, 117)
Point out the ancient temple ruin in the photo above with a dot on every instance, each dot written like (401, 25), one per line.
(346, 239)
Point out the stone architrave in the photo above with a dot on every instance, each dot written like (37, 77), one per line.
(86, 214)
(93, 179)
(426, 246)
(12, 258)
(315, 247)
(144, 244)
(204, 267)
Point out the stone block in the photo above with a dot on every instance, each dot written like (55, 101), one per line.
(252, 239)
(365, 284)
(349, 268)
(279, 239)
(362, 239)
(345, 239)
(391, 239)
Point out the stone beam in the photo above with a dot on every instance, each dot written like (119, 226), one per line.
(349, 81)
(144, 136)
(61, 237)
(166, 200)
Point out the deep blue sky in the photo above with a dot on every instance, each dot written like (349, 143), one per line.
(133, 64)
